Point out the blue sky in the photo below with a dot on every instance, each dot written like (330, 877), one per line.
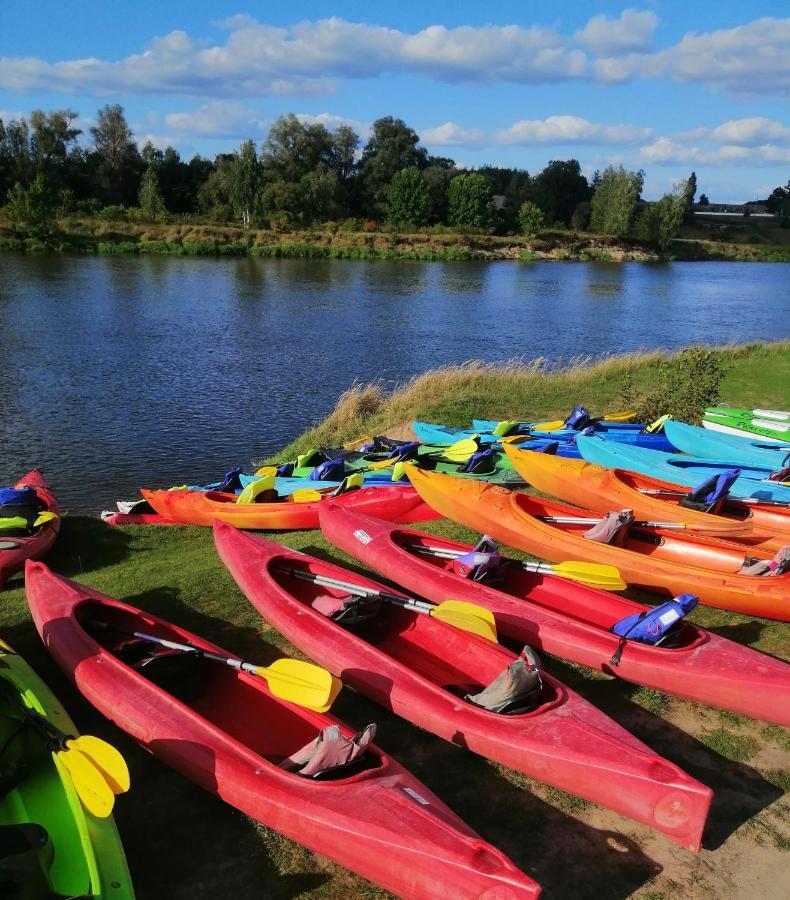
(665, 86)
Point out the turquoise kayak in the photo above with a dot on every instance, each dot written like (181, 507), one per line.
(688, 470)
(714, 445)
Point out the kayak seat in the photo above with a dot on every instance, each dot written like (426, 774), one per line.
(518, 689)
(181, 674)
(331, 755)
(612, 529)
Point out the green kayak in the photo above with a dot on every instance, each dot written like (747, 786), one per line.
(780, 415)
(747, 424)
(49, 845)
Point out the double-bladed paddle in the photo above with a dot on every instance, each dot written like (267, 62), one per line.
(97, 769)
(466, 616)
(712, 527)
(598, 575)
(749, 501)
(289, 679)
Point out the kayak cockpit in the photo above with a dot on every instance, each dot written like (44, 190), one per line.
(448, 657)
(603, 610)
(238, 704)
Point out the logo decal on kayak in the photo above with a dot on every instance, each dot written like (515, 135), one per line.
(415, 796)
(362, 536)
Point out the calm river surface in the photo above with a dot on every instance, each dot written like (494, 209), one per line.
(124, 371)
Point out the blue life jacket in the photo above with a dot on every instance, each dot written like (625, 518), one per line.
(481, 462)
(404, 452)
(22, 502)
(329, 470)
(578, 419)
(651, 625)
(230, 481)
(285, 470)
(708, 494)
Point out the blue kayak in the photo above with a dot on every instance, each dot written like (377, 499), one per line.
(688, 470)
(715, 445)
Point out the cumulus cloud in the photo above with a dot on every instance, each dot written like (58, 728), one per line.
(570, 130)
(632, 31)
(451, 135)
(745, 60)
(751, 132)
(667, 152)
(223, 120)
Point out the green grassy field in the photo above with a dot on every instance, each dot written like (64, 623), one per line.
(183, 843)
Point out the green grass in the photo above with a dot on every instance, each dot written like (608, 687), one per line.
(183, 843)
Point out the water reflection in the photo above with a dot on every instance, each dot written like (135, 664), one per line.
(124, 371)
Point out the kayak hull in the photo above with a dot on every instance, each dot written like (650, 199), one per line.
(658, 561)
(412, 671)
(226, 740)
(88, 858)
(601, 489)
(748, 428)
(715, 444)
(37, 545)
(573, 621)
(398, 503)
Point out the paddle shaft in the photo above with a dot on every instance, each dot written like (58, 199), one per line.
(448, 553)
(185, 648)
(577, 520)
(51, 734)
(326, 581)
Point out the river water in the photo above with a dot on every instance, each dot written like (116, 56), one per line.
(128, 371)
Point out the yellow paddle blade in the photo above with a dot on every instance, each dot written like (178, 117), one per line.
(656, 426)
(468, 617)
(179, 487)
(359, 442)
(714, 527)
(461, 450)
(620, 416)
(597, 575)
(502, 428)
(45, 516)
(106, 759)
(399, 469)
(266, 470)
(549, 426)
(255, 488)
(516, 439)
(306, 495)
(94, 792)
(380, 464)
(301, 682)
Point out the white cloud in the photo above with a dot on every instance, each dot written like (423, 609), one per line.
(746, 60)
(570, 130)
(215, 119)
(668, 152)
(631, 32)
(451, 135)
(333, 122)
(751, 132)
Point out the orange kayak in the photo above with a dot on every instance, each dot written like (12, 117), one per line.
(666, 562)
(595, 487)
(399, 503)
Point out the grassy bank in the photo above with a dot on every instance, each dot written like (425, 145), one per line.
(182, 843)
(85, 235)
(523, 390)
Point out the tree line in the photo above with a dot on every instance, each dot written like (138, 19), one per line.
(305, 174)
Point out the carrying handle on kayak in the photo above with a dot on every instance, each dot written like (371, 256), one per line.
(289, 679)
(466, 616)
(97, 769)
(596, 575)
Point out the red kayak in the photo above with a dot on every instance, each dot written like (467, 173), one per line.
(426, 670)
(15, 550)
(572, 621)
(225, 731)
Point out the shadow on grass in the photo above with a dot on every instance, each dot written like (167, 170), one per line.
(86, 544)
(538, 837)
(739, 791)
(747, 633)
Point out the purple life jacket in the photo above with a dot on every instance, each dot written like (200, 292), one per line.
(230, 481)
(477, 563)
(480, 463)
(285, 470)
(405, 452)
(578, 419)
